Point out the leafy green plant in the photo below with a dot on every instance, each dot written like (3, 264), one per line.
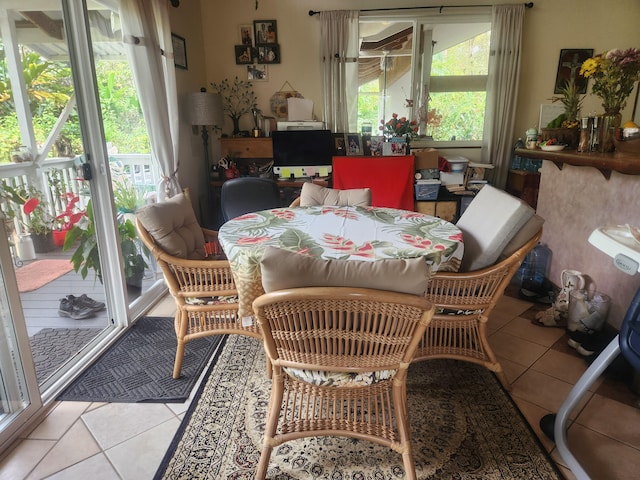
(35, 217)
(86, 256)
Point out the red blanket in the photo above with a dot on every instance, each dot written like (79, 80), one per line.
(390, 179)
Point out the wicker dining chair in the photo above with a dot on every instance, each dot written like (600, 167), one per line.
(463, 304)
(203, 288)
(321, 342)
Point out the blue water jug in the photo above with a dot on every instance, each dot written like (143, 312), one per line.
(534, 269)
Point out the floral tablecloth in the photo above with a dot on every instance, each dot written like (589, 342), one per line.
(346, 233)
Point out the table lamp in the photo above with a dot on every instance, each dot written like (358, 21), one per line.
(206, 110)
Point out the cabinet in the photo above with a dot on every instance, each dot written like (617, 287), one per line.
(525, 185)
(246, 147)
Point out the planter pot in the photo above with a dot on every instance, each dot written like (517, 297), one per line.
(59, 237)
(134, 285)
(24, 247)
(43, 243)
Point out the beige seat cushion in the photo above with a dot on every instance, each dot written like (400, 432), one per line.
(488, 224)
(174, 227)
(312, 194)
(282, 269)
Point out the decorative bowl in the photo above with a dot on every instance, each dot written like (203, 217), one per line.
(552, 148)
(627, 146)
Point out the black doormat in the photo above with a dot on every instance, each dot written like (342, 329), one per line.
(139, 366)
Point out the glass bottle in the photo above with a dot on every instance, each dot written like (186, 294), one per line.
(583, 144)
(594, 139)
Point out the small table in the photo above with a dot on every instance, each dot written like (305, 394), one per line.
(346, 233)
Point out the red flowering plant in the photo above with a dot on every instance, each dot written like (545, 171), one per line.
(398, 127)
(35, 216)
(72, 213)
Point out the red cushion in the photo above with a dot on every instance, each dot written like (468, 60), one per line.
(390, 179)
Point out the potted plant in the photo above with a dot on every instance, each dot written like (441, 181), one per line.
(35, 217)
(86, 256)
(67, 219)
(565, 127)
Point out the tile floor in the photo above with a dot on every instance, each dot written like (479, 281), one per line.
(127, 441)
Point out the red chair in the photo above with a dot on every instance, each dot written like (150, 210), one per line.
(391, 179)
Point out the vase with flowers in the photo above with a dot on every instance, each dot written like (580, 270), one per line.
(614, 74)
(398, 127)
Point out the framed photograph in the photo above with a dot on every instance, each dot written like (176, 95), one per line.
(257, 73)
(353, 141)
(339, 145)
(569, 67)
(265, 32)
(376, 146)
(269, 54)
(246, 35)
(179, 51)
(243, 55)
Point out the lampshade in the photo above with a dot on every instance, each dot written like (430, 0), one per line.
(206, 109)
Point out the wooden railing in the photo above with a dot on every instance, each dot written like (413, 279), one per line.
(138, 168)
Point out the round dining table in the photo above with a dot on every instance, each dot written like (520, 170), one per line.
(335, 232)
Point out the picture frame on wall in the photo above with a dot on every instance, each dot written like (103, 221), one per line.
(246, 35)
(269, 54)
(257, 73)
(265, 32)
(243, 54)
(353, 142)
(569, 67)
(179, 45)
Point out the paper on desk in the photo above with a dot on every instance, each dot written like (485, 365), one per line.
(299, 109)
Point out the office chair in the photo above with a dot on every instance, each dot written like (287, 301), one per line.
(248, 194)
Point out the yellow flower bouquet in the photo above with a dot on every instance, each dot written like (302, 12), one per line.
(614, 74)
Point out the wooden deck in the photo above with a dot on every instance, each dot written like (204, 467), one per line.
(41, 306)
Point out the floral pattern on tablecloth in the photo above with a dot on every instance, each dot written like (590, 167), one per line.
(330, 232)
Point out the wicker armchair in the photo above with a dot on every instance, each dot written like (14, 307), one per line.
(463, 304)
(338, 335)
(204, 292)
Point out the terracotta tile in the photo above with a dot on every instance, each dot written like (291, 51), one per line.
(563, 366)
(601, 456)
(523, 328)
(613, 419)
(545, 391)
(533, 413)
(512, 306)
(511, 369)
(515, 349)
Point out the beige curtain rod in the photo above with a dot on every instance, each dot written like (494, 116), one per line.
(440, 8)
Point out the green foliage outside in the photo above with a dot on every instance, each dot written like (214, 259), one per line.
(49, 88)
(462, 112)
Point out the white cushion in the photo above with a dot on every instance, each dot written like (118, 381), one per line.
(488, 224)
(312, 194)
(533, 226)
(282, 269)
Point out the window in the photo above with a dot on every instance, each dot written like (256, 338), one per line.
(442, 72)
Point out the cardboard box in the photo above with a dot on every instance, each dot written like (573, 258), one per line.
(425, 158)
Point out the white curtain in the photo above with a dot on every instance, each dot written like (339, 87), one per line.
(146, 34)
(339, 55)
(502, 88)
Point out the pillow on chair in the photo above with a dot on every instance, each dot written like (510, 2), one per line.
(529, 229)
(488, 224)
(282, 269)
(313, 194)
(174, 227)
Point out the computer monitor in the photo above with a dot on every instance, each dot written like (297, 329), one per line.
(302, 153)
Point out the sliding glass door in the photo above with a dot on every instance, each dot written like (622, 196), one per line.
(69, 109)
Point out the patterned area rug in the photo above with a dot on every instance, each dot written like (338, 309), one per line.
(39, 273)
(464, 426)
(139, 366)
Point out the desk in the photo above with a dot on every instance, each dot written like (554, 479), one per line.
(356, 233)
